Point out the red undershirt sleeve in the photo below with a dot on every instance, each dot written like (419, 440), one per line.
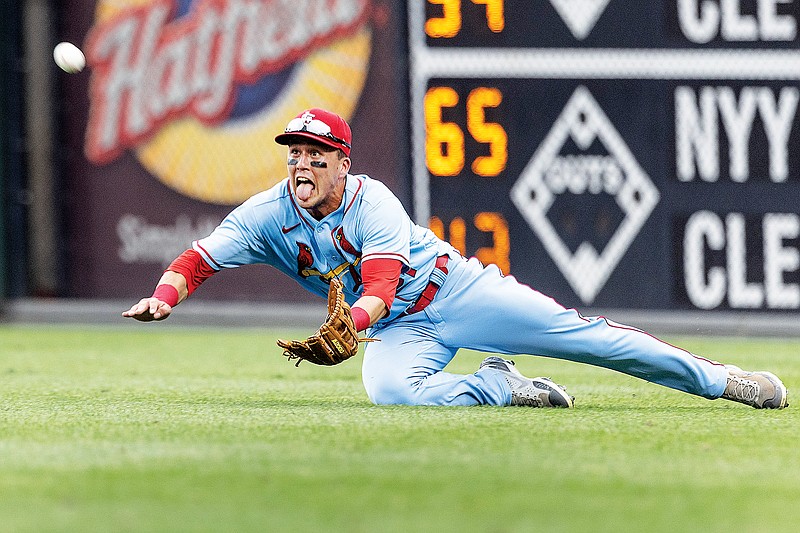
(380, 277)
(193, 267)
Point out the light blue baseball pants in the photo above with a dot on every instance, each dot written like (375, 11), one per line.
(480, 309)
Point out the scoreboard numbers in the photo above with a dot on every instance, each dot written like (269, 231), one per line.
(444, 144)
(448, 23)
(616, 154)
(489, 133)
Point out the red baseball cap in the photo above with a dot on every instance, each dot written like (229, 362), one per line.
(319, 125)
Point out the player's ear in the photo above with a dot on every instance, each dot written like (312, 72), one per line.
(344, 166)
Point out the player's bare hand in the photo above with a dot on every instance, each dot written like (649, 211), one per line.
(149, 309)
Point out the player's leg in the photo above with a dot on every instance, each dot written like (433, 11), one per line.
(406, 367)
(500, 315)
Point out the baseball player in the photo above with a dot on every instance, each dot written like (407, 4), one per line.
(419, 297)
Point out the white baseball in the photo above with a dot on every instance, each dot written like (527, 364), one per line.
(69, 57)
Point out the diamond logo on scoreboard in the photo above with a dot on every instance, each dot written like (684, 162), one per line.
(552, 174)
(580, 16)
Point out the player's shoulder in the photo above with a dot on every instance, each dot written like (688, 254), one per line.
(272, 196)
(263, 208)
(372, 191)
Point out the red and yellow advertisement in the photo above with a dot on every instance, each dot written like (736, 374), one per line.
(176, 117)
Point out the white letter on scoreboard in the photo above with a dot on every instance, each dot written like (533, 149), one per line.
(702, 28)
(778, 118)
(738, 121)
(779, 259)
(741, 294)
(702, 227)
(775, 27)
(696, 134)
(735, 26)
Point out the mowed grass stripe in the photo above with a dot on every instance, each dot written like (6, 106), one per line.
(156, 429)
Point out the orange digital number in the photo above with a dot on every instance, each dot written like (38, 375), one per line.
(444, 141)
(457, 230)
(449, 24)
(487, 132)
(495, 224)
(495, 17)
(486, 222)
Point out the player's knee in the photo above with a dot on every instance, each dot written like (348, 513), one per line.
(386, 389)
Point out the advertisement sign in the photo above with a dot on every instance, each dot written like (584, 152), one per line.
(174, 124)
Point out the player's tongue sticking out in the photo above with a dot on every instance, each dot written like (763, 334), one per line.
(304, 189)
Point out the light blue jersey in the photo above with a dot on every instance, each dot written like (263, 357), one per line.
(370, 223)
(471, 306)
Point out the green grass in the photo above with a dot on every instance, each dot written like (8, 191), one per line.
(166, 429)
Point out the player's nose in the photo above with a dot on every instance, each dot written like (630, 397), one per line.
(303, 160)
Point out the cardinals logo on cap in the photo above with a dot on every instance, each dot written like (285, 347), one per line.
(320, 125)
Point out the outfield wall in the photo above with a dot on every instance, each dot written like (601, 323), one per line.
(273, 316)
(617, 156)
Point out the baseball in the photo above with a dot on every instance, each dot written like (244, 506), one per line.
(69, 57)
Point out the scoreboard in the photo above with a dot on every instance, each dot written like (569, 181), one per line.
(641, 155)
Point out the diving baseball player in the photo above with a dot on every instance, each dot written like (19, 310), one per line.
(418, 297)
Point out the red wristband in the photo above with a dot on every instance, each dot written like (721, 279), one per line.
(360, 318)
(167, 294)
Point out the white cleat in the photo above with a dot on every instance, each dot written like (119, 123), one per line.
(536, 392)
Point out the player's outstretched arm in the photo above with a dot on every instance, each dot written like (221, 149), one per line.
(171, 290)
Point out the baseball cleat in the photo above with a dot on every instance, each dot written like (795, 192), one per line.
(762, 390)
(536, 392)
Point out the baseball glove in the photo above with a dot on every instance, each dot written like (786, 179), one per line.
(335, 341)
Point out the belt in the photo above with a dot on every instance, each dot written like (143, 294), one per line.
(437, 280)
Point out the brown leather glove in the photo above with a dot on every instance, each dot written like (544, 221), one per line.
(335, 341)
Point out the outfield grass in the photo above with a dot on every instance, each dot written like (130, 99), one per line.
(166, 429)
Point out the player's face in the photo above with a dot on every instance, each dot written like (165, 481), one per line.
(318, 177)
